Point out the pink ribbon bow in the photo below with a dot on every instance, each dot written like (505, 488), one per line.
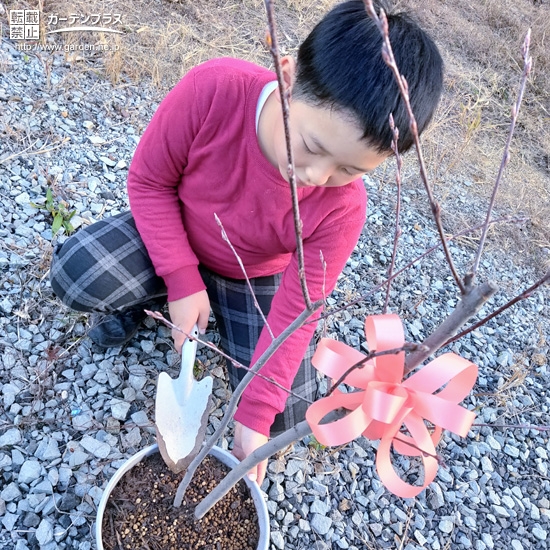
(385, 402)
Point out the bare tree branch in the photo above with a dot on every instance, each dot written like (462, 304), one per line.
(527, 62)
(467, 307)
(159, 317)
(524, 295)
(387, 54)
(274, 50)
(514, 427)
(297, 432)
(399, 164)
(241, 265)
(232, 405)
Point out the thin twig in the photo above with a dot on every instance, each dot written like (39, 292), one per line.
(515, 427)
(409, 347)
(387, 54)
(274, 50)
(399, 164)
(22, 153)
(524, 295)
(241, 265)
(527, 63)
(324, 289)
(297, 432)
(468, 306)
(159, 317)
(507, 219)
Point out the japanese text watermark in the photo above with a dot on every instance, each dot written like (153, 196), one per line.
(25, 26)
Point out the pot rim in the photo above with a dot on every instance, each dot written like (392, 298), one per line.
(217, 452)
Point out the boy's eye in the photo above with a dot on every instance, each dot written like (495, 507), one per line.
(347, 172)
(308, 150)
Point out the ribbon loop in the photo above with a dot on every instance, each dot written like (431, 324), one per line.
(384, 402)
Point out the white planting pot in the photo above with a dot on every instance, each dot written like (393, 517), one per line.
(223, 456)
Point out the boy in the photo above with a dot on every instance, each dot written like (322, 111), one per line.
(216, 146)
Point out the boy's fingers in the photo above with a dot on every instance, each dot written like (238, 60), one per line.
(202, 322)
(252, 476)
(178, 338)
(260, 472)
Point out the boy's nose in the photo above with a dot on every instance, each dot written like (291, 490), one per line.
(317, 175)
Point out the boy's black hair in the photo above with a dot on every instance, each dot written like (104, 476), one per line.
(340, 66)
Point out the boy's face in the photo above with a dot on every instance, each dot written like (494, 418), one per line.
(327, 146)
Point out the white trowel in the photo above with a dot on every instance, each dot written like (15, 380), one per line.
(181, 411)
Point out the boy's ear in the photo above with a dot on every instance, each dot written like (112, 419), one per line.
(288, 69)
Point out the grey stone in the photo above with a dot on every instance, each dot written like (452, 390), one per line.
(319, 488)
(446, 526)
(147, 346)
(276, 493)
(97, 448)
(294, 466)
(43, 487)
(96, 493)
(436, 498)
(31, 519)
(22, 199)
(486, 464)
(6, 461)
(376, 528)
(277, 539)
(493, 443)
(140, 418)
(44, 533)
(77, 458)
(88, 371)
(539, 532)
(9, 520)
(10, 492)
(69, 501)
(501, 511)
(83, 421)
(29, 472)
(137, 382)
(48, 449)
(511, 451)
(11, 437)
(488, 540)
(320, 524)
(120, 409)
(132, 438)
(319, 507)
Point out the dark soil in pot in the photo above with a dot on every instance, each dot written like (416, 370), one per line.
(140, 515)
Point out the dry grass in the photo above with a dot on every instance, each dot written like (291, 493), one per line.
(481, 45)
(164, 39)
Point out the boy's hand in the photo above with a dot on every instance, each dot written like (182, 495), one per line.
(245, 443)
(186, 312)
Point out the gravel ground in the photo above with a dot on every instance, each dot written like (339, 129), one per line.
(71, 413)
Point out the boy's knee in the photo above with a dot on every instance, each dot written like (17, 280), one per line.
(64, 279)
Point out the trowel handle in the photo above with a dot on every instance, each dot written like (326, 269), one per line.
(188, 352)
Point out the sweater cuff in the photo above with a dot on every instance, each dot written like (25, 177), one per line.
(183, 282)
(256, 415)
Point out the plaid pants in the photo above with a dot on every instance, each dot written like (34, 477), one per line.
(105, 268)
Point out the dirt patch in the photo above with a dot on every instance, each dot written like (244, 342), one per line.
(140, 515)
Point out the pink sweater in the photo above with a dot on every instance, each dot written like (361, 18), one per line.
(200, 156)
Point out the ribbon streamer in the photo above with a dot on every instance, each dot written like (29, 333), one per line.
(384, 402)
